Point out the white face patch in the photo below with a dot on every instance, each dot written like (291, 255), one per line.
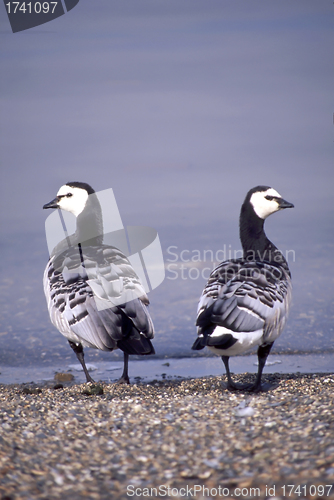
(75, 203)
(262, 206)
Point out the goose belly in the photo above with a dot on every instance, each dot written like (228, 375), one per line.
(244, 341)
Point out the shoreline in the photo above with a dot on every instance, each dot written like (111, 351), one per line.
(130, 441)
(148, 369)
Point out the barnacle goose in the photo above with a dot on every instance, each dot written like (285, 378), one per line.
(246, 301)
(81, 271)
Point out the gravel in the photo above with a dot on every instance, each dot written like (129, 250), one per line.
(170, 439)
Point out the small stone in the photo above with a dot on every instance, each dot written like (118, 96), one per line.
(270, 424)
(58, 386)
(204, 475)
(244, 412)
(93, 390)
(31, 390)
(63, 377)
(214, 464)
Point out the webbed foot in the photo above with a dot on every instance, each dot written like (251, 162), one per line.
(123, 380)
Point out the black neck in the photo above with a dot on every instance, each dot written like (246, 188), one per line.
(255, 244)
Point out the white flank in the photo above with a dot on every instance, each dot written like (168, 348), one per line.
(245, 341)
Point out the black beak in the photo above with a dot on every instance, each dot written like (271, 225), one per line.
(284, 204)
(52, 204)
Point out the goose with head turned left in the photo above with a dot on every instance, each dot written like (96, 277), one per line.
(246, 301)
(83, 272)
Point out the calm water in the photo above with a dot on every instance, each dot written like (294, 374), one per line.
(181, 108)
(28, 338)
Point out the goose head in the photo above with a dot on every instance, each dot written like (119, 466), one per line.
(72, 197)
(265, 201)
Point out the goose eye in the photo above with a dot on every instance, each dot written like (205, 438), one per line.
(69, 195)
(269, 198)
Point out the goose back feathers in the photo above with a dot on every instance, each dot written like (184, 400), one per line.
(95, 298)
(246, 301)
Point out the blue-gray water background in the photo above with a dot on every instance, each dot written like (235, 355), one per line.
(180, 107)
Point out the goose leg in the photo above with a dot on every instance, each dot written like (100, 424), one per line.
(262, 354)
(125, 376)
(232, 386)
(230, 383)
(78, 349)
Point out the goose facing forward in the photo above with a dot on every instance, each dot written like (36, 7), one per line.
(82, 262)
(246, 301)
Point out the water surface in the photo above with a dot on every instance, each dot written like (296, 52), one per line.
(181, 108)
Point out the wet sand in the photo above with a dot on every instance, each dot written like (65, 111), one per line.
(169, 438)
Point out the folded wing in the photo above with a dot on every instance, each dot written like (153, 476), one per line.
(241, 298)
(96, 298)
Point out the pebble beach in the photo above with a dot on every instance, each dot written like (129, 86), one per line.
(177, 438)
